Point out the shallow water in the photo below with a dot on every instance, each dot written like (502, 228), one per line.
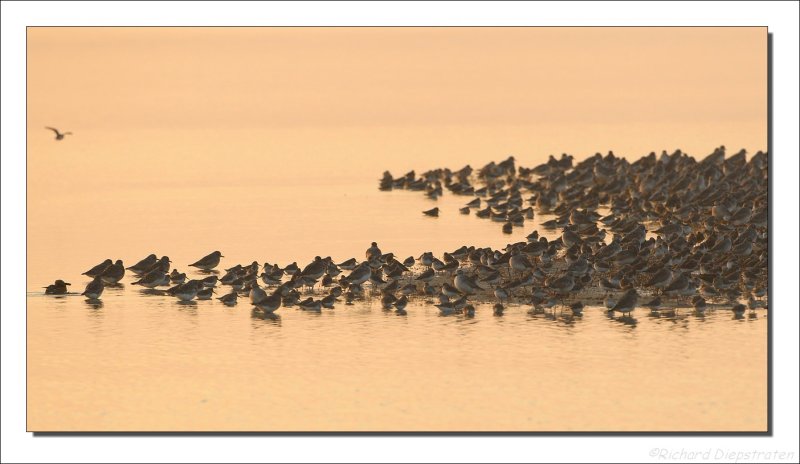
(267, 144)
(146, 362)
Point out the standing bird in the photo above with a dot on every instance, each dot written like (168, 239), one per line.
(432, 212)
(114, 273)
(94, 289)
(208, 262)
(152, 279)
(97, 270)
(205, 294)
(577, 308)
(465, 284)
(498, 309)
(59, 135)
(257, 295)
(143, 265)
(373, 252)
(627, 303)
(187, 291)
(229, 299)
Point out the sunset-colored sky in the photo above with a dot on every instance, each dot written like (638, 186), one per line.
(168, 78)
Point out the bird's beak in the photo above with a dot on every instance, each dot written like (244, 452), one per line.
(67, 283)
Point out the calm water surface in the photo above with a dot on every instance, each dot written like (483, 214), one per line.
(146, 362)
(267, 144)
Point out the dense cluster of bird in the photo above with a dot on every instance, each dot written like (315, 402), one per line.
(666, 226)
(677, 226)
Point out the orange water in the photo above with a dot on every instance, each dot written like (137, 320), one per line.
(267, 145)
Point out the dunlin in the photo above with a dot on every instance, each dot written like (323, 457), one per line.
(114, 273)
(57, 288)
(465, 283)
(97, 270)
(208, 262)
(230, 299)
(627, 303)
(373, 252)
(143, 265)
(153, 279)
(94, 289)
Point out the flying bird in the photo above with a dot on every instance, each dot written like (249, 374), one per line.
(59, 135)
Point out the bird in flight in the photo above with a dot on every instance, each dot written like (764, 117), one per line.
(59, 135)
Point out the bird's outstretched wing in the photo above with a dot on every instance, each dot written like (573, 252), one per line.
(52, 129)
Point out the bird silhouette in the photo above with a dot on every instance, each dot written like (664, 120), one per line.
(59, 135)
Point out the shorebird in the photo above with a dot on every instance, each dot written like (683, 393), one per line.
(328, 301)
(114, 273)
(426, 259)
(577, 308)
(465, 284)
(269, 304)
(432, 212)
(699, 304)
(401, 303)
(660, 279)
(446, 309)
(678, 286)
(292, 269)
(208, 262)
(428, 289)
(310, 305)
(59, 135)
(257, 294)
(387, 300)
(653, 305)
(373, 252)
(519, 262)
(501, 294)
(94, 289)
(409, 289)
(187, 291)
(562, 286)
(469, 310)
(425, 276)
(177, 277)
(153, 279)
(97, 270)
(738, 310)
(498, 309)
(57, 288)
(143, 265)
(359, 275)
(230, 299)
(450, 291)
(205, 293)
(752, 303)
(627, 303)
(162, 264)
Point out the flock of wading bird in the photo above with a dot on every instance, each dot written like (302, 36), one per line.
(686, 233)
